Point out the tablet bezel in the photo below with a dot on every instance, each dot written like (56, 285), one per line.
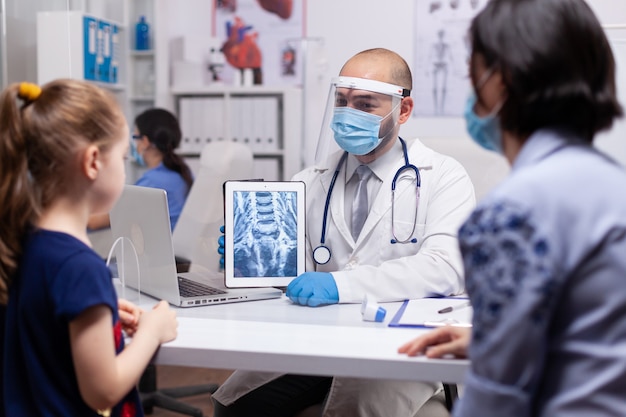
(230, 188)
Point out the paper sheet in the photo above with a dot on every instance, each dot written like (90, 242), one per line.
(425, 313)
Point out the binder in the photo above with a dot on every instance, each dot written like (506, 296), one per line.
(90, 48)
(237, 119)
(216, 118)
(186, 125)
(270, 123)
(257, 120)
(104, 69)
(116, 54)
(198, 117)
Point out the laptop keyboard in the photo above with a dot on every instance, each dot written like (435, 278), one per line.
(189, 288)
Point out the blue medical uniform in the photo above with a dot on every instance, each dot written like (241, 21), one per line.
(545, 267)
(170, 181)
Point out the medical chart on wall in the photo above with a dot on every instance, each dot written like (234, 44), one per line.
(260, 40)
(442, 48)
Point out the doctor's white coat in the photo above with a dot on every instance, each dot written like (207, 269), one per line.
(373, 265)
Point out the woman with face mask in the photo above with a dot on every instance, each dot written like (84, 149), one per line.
(544, 251)
(156, 136)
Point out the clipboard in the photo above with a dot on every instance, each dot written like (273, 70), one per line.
(424, 312)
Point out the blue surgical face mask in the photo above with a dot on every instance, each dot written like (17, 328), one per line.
(485, 131)
(356, 132)
(134, 153)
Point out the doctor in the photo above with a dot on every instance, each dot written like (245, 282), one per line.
(416, 199)
(392, 235)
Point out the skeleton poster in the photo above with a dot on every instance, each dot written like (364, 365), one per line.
(442, 48)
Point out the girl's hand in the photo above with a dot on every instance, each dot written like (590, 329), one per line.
(160, 322)
(129, 316)
(447, 340)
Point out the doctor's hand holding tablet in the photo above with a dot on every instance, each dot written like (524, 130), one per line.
(310, 288)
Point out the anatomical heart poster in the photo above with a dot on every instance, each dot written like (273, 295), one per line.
(260, 40)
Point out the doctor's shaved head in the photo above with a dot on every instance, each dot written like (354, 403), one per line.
(382, 65)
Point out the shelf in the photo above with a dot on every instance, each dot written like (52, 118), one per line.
(96, 44)
(142, 99)
(149, 53)
(221, 89)
(109, 86)
(269, 154)
(257, 154)
(264, 118)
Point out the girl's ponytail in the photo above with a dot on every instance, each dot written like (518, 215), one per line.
(18, 207)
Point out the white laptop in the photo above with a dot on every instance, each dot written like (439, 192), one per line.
(141, 218)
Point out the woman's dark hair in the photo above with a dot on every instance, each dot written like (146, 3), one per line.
(556, 63)
(163, 131)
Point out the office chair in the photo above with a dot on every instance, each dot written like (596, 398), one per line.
(195, 235)
(195, 244)
(441, 404)
(166, 398)
(451, 392)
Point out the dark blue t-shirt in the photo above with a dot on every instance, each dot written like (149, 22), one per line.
(3, 312)
(59, 277)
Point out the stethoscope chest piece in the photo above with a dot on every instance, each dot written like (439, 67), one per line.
(321, 255)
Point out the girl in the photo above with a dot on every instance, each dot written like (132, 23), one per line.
(63, 148)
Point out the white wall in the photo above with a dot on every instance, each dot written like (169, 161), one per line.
(19, 50)
(349, 26)
(353, 25)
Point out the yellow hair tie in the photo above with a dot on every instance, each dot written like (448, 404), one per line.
(29, 91)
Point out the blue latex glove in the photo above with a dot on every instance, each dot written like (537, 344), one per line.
(313, 289)
(220, 247)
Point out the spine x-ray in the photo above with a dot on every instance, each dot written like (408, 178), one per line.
(265, 233)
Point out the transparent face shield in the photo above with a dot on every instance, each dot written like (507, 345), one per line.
(361, 117)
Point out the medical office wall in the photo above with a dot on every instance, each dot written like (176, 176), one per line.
(352, 25)
(18, 49)
(338, 28)
(349, 26)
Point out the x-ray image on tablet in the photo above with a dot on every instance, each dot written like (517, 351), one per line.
(264, 233)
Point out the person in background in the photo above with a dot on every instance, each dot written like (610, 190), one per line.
(544, 251)
(399, 242)
(157, 135)
(63, 148)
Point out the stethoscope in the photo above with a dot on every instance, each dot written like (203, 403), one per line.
(322, 255)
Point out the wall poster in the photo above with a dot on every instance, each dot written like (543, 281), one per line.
(440, 72)
(260, 40)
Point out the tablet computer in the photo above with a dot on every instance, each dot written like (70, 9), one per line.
(264, 238)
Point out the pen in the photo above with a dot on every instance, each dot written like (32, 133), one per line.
(452, 308)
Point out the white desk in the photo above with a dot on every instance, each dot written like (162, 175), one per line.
(276, 335)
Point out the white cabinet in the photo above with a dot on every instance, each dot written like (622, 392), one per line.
(73, 44)
(267, 119)
(141, 62)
